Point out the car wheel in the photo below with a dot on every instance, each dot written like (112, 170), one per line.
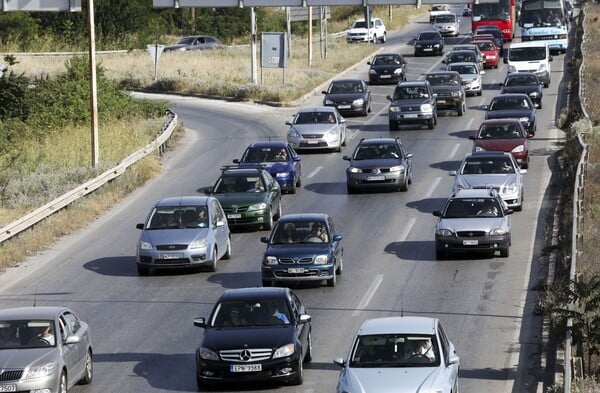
(540, 105)
(228, 250)
(370, 109)
(299, 180)
(142, 270)
(365, 110)
(461, 109)
(546, 84)
(88, 375)
(299, 378)
(62, 383)
(393, 126)
(404, 185)
(504, 252)
(340, 267)
(332, 281)
(212, 266)
(308, 354)
(279, 211)
(431, 124)
(384, 38)
(293, 189)
(479, 93)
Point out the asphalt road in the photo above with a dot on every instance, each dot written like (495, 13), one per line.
(142, 326)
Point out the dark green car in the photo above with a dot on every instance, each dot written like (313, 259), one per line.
(250, 197)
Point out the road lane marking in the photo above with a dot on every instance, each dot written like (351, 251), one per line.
(432, 186)
(455, 150)
(367, 297)
(313, 173)
(407, 228)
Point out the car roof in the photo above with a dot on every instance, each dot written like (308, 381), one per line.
(406, 324)
(32, 312)
(474, 193)
(317, 109)
(517, 74)
(490, 153)
(509, 95)
(501, 121)
(430, 31)
(463, 63)
(254, 292)
(268, 144)
(442, 73)
(183, 200)
(303, 217)
(526, 44)
(347, 80)
(241, 171)
(367, 141)
(413, 83)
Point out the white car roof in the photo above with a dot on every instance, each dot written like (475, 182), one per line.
(404, 325)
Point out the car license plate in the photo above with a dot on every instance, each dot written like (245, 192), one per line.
(411, 115)
(8, 388)
(166, 256)
(385, 76)
(312, 142)
(441, 101)
(470, 242)
(234, 216)
(375, 178)
(344, 107)
(295, 270)
(245, 368)
(427, 49)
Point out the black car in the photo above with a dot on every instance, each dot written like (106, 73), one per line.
(448, 89)
(429, 43)
(527, 83)
(514, 105)
(254, 334)
(303, 247)
(413, 102)
(379, 163)
(495, 31)
(387, 68)
(349, 96)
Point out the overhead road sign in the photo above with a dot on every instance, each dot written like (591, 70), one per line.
(41, 5)
(294, 3)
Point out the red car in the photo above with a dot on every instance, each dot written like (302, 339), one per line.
(490, 52)
(506, 135)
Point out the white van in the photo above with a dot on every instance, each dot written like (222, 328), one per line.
(530, 56)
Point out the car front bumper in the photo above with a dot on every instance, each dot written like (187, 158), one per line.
(248, 218)
(410, 117)
(376, 181)
(173, 259)
(298, 273)
(215, 372)
(471, 244)
(322, 142)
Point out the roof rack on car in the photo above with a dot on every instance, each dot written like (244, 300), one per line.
(245, 166)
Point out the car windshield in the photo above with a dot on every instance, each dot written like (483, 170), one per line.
(265, 154)
(507, 103)
(296, 232)
(486, 46)
(346, 87)
(176, 217)
(522, 80)
(387, 60)
(527, 53)
(499, 131)
(238, 184)
(443, 79)
(395, 350)
(460, 57)
(410, 93)
(445, 19)
(314, 118)
(428, 36)
(27, 334)
(376, 151)
(487, 166)
(250, 312)
(463, 69)
(472, 208)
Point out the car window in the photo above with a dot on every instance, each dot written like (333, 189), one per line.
(472, 207)
(400, 350)
(500, 131)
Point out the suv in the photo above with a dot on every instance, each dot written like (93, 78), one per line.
(359, 32)
(447, 86)
(249, 195)
(473, 220)
(254, 334)
(379, 163)
(412, 102)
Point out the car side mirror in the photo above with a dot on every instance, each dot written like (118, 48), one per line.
(208, 190)
(288, 123)
(340, 362)
(452, 173)
(550, 58)
(219, 224)
(346, 158)
(343, 121)
(522, 171)
(324, 92)
(297, 159)
(337, 238)
(304, 318)
(485, 107)
(530, 135)
(368, 62)
(437, 213)
(509, 211)
(236, 161)
(472, 137)
(409, 155)
(139, 226)
(482, 72)
(200, 322)
(72, 339)
(389, 98)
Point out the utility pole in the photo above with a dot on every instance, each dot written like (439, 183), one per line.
(93, 88)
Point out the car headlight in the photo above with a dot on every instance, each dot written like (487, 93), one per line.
(200, 243)
(372, 72)
(542, 67)
(394, 109)
(207, 354)
(491, 57)
(321, 260)
(497, 232)
(511, 188)
(398, 71)
(512, 68)
(328, 101)
(457, 94)
(269, 260)
(397, 168)
(358, 101)
(534, 94)
(479, 148)
(354, 170)
(436, 45)
(522, 119)
(444, 232)
(293, 134)
(257, 206)
(286, 350)
(145, 245)
(41, 371)
(426, 108)
(418, 45)
(282, 174)
(518, 149)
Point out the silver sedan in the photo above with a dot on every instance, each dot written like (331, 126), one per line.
(317, 128)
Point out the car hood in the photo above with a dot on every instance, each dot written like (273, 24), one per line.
(472, 223)
(416, 103)
(319, 128)
(357, 30)
(376, 163)
(248, 337)
(345, 96)
(520, 89)
(386, 67)
(271, 167)
(297, 250)
(500, 144)
(174, 235)
(508, 113)
(389, 380)
(469, 77)
(427, 42)
(240, 198)
(445, 88)
(486, 181)
(23, 357)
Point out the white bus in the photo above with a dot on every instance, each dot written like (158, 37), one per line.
(545, 20)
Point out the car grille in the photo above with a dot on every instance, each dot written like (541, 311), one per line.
(239, 209)
(246, 355)
(289, 261)
(470, 234)
(10, 374)
(533, 70)
(376, 170)
(171, 247)
(496, 188)
(445, 94)
(179, 261)
(286, 274)
(410, 108)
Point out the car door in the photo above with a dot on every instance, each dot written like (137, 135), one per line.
(274, 192)
(337, 248)
(73, 354)
(450, 371)
(221, 233)
(295, 160)
(302, 329)
(406, 158)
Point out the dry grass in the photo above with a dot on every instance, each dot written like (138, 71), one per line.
(591, 72)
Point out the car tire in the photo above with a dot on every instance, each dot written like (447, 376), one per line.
(308, 354)
(88, 374)
(504, 252)
(479, 93)
(365, 111)
(546, 84)
(227, 254)
(340, 267)
(212, 266)
(461, 109)
(277, 215)
(404, 186)
(393, 126)
(142, 270)
(384, 38)
(332, 281)
(62, 383)
(431, 124)
(293, 189)
(299, 378)
(540, 105)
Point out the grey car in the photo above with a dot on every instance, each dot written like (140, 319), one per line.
(349, 96)
(492, 169)
(43, 349)
(317, 128)
(412, 102)
(473, 221)
(470, 74)
(183, 232)
(379, 163)
(195, 42)
(399, 354)
(450, 94)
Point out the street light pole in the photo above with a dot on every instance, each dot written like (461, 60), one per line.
(93, 88)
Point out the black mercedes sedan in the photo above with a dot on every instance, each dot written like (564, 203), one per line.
(514, 105)
(387, 68)
(254, 334)
(349, 96)
(527, 83)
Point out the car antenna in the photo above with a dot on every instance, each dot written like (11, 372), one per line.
(35, 297)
